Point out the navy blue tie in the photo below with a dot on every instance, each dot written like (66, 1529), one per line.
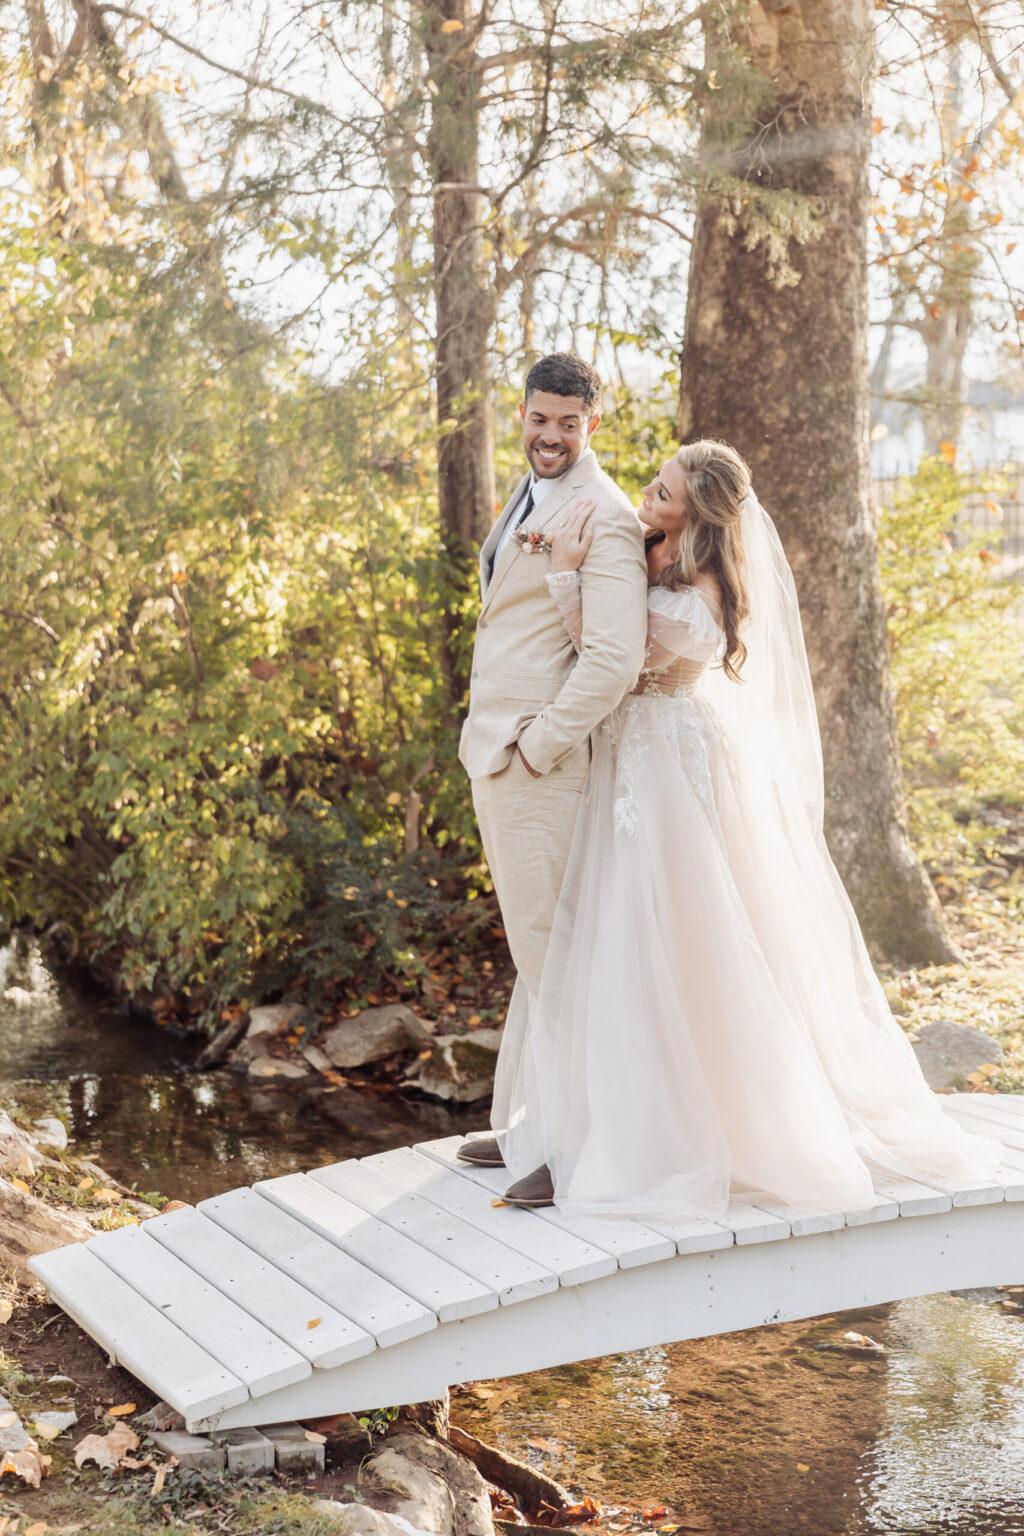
(520, 520)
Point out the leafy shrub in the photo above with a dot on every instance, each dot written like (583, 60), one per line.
(956, 629)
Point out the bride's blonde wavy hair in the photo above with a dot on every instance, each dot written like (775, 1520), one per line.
(717, 480)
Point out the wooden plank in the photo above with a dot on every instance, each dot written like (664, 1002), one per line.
(136, 1334)
(988, 1115)
(885, 1208)
(750, 1225)
(249, 1350)
(295, 1314)
(511, 1275)
(692, 1297)
(694, 1235)
(448, 1291)
(1008, 1107)
(914, 1199)
(353, 1289)
(801, 1223)
(630, 1243)
(571, 1259)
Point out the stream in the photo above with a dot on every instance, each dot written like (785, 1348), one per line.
(755, 1434)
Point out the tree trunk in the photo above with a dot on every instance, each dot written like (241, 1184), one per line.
(464, 307)
(781, 372)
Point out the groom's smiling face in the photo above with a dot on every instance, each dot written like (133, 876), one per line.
(556, 430)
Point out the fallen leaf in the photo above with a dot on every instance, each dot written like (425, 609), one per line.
(314, 1322)
(6, 1308)
(656, 1512)
(106, 1197)
(107, 1450)
(453, 26)
(86, 1183)
(174, 1205)
(20, 1184)
(497, 1204)
(37, 1528)
(8, 1418)
(26, 1167)
(549, 1447)
(802, 1466)
(121, 1411)
(46, 1432)
(26, 1464)
(316, 1439)
(158, 1480)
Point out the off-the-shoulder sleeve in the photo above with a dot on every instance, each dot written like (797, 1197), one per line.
(680, 626)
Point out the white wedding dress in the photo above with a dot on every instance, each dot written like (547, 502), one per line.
(709, 1026)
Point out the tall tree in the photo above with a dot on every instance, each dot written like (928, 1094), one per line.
(776, 361)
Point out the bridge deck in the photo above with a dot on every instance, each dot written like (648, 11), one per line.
(386, 1279)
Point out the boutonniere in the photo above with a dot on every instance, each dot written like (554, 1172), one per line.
(532, 543)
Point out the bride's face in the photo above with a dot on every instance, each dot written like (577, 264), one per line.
(664, 500)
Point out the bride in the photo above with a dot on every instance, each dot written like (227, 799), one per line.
(708, 1025)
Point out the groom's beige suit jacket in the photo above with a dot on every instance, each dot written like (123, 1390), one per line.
(528, 686)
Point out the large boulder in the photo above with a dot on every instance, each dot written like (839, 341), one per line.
(946, 1052)
(460, 1068)
(374, 1034)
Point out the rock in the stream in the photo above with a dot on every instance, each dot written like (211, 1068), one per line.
(946, 1052)
(459, 1067)
(374, 1034)
(276, 1069)
(51, 1132)
(264, 1024)
(431, 1486)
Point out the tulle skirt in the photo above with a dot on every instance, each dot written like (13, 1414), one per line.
(709, 1026)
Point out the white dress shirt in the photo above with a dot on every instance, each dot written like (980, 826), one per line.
(540, 489)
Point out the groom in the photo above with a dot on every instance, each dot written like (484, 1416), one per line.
(532, 701)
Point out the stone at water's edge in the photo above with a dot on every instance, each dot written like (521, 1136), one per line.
(460, 1068)
(946, 1052)
(374, 1034)
(264, 1024)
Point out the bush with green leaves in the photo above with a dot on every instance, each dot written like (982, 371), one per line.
(956, 627)
(220, 593)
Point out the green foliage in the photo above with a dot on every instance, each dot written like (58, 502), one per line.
(220, 590)
(956, 630)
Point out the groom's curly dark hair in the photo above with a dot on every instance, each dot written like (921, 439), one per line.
(563, 373)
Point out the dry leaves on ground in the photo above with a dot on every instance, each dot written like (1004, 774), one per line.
(29, 1464)
(108, 1451)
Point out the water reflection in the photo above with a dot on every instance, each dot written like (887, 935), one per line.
(124, 1089)
(951, 1456)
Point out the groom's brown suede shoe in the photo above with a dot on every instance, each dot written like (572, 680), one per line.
(536, 1189)
(482, 1150)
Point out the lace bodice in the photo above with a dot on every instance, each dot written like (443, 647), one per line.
(683, 632)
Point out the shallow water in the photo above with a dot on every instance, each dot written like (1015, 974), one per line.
(761, 1433)
(124, 1088)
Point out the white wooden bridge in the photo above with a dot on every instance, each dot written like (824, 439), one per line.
(386, 1279)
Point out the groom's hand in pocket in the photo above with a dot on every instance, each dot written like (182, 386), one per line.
(531, 771)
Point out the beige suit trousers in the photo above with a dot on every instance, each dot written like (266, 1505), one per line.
(527, 825)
